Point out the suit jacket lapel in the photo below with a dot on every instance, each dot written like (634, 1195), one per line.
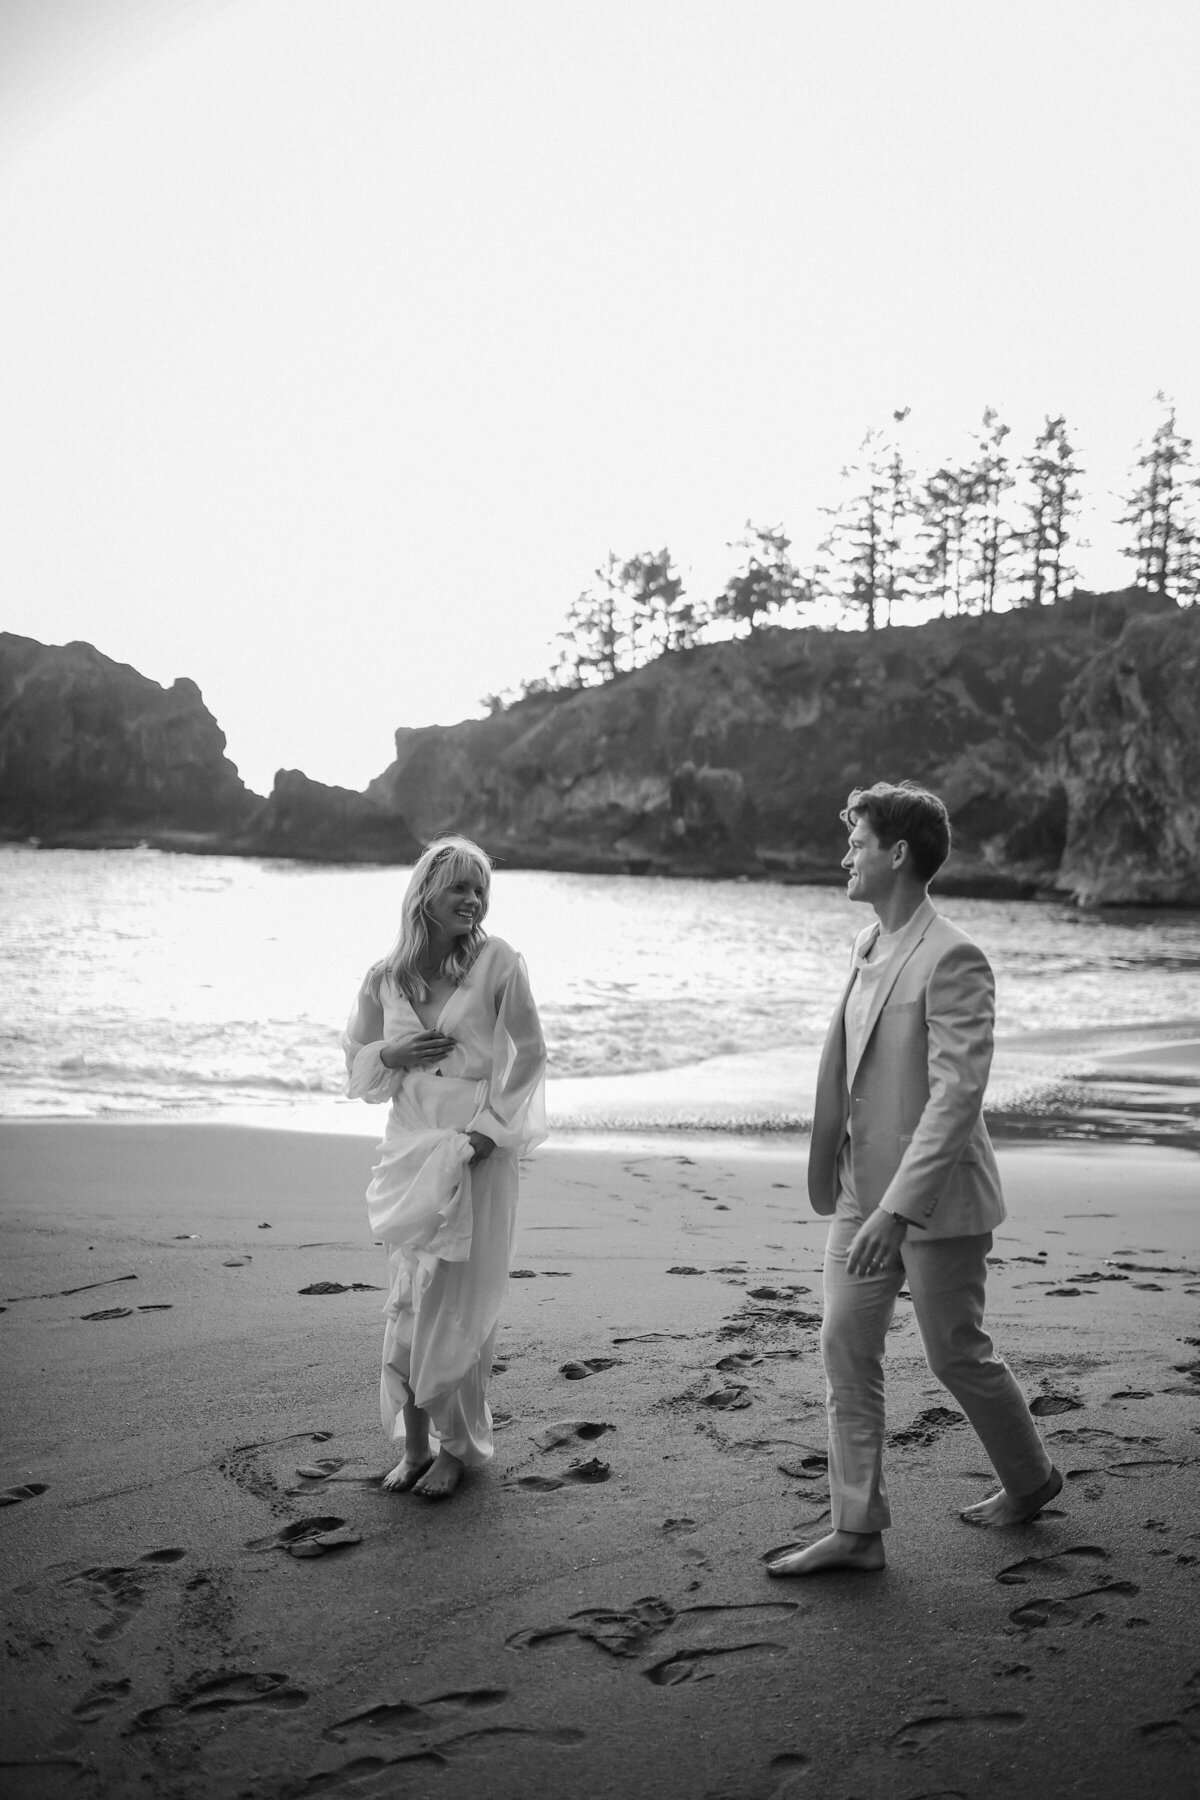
(887, 982)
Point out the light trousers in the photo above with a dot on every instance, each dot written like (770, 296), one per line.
(946, 1278)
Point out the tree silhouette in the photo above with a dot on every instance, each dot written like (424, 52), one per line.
(943, 502)
(988, 531)
(1162, 511)
(867, 561)
(660, 618)
(769, 581)
(1051, 470)
(597, 643)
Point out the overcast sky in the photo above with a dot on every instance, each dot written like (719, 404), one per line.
(342, 339)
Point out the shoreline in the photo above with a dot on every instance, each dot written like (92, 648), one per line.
(1131, 1083)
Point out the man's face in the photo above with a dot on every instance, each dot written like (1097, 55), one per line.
(870, 866)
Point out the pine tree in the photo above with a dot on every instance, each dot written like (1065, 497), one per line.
(597, 643)
(1163, 512)
(855, 566)
(660, 618)
(942, 532)
(769, 581)
(1051, 470)
(990, 534)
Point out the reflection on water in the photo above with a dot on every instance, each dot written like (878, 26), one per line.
(138, 982)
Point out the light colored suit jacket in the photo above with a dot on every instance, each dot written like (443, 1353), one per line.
(919, 1145)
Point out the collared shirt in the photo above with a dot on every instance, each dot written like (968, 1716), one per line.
(870, 966)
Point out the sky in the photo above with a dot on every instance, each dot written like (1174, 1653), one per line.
(343, 339)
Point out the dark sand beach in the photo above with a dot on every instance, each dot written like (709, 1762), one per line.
(185, 1425)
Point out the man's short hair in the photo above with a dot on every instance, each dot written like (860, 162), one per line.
(906, 811)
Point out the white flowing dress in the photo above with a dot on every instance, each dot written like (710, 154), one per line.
(448, 1229)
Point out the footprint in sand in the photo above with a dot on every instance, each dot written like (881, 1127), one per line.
(392, 1718)
(28, 1490)
(1143, 1468)
(619, 1631)
(935, 1729)
(317, 1536)
(569, 1431)
(1059, 1563)
(588, 1365)
(806, 1468)
(729, 1399)
(116, 1591)
(1045, 1405)
(483, 1742)
(222, 1693)
(1182, 1731)
(591, 1471)
(1045, 1610)
(699, 1639)
(928, 1426)
(322, 1469)
(100, 1700)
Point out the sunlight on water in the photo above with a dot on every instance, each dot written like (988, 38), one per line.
(135, 981)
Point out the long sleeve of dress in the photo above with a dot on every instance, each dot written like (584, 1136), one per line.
(366, 1076)
(513, 1114)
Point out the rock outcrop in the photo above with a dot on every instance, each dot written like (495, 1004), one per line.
(314, 823)
(736, 757)
(90, 750)
(1065, 740)
(1130, 767)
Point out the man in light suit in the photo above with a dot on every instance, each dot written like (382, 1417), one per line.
(902, 1160)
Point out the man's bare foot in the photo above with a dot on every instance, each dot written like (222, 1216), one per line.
(441, 1479)
(861, 1550)
(407, 1472)
(1005, 1509)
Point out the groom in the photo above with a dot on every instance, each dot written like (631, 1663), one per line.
(901, 1158)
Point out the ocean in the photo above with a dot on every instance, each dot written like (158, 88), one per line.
(138, 983)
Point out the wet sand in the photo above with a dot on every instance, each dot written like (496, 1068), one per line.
(184, 1425)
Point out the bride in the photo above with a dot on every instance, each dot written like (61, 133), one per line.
(445, 1028)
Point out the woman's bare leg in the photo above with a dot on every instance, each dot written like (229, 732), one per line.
(417, 1457)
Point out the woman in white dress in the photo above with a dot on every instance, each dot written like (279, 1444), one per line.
(445, 1028)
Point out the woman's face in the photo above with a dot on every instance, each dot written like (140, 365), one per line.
(455, 910)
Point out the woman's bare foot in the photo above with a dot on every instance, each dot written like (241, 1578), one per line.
(1005, 1509)
(407, 1472)
(441, 1479)
(862, 1550)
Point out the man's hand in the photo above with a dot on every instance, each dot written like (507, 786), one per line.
(876, 1244)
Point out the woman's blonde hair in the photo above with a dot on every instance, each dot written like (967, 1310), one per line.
(440, 865)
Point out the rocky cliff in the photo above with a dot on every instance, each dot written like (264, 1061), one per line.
(314, 823)
(92, 753)
(1129, 760)
(736, 757)
(1065, 740)
(90, 749)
